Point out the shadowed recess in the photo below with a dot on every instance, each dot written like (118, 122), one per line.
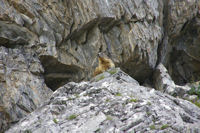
(57, 74)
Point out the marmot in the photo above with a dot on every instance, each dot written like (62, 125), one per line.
(104, 63)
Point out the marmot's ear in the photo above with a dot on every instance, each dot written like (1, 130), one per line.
(99, 54)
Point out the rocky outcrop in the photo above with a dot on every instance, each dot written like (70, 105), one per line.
(22, 89)
(49, 44)
(163, 82)
(112, 102)
(71, 33)
(58, 41)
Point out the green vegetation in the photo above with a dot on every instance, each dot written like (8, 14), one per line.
(148, 113)
(100, 78)
(118, 94)
(70, 98)
(27, 131)
(77, 95)
(197, 103)
(108, 117)
(164, 126)
(107, 100)
(195, 91)
(148, 103)
(64, 102)
(71, 117)
(97, 131)
(152, 127)
(112, 71)
(55, 121)
(133, 100)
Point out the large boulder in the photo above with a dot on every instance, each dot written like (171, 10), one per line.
(111, 102)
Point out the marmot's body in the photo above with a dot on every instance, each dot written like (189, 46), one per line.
(104, 64)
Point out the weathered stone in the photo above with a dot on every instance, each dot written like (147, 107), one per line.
(164, 83)
(56, 42)
(71, 33)
(112, 104)
(179, 51)
(21, 91)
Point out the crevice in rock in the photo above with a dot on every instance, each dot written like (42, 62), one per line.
(10, 43)
(163, 47)
(56, 74)
(184, 63)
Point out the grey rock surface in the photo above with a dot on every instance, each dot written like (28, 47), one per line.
(71, 33)
(179, 50)
(111, 104)
(163, 82)
(50, 43)
(55, 42)
(21, 89)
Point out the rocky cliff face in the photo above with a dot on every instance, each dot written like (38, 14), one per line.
(115, 103)
(46, 44)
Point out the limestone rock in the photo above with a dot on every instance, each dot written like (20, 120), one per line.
(112, 104)
(164, 83)
(179, 51)
(71, 33)
(21, 91)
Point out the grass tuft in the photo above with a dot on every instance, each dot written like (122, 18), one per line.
(71, 117)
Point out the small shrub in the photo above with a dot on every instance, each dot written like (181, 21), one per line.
(197, 103)
(118, 94)
(164, 127)
(71, 117)
(55, 121)
(152, 127)
(27, 131)
(100, 78)
(148, 113)
(107, 100)
(77, 95)
(148, 103)
(109, 117)
(194, 91)
(112, 71)
(133, 100)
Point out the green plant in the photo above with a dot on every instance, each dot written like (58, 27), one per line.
(148, 113)
(64, 102)
(100, 78)
(27, 131)
(133, 100)
(108, 117)
(118, 94)
(71, 117)
(152, 127)
(197, 103)
(112, 71)
(107, 100)
(148, 103)
(77, 95)
(55, 121)
(164, 126)
(194, 91)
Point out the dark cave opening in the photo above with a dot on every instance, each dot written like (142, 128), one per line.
(57, 74)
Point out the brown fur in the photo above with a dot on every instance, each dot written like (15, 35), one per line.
(104, 64)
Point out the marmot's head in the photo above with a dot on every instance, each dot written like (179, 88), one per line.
(102, 55)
